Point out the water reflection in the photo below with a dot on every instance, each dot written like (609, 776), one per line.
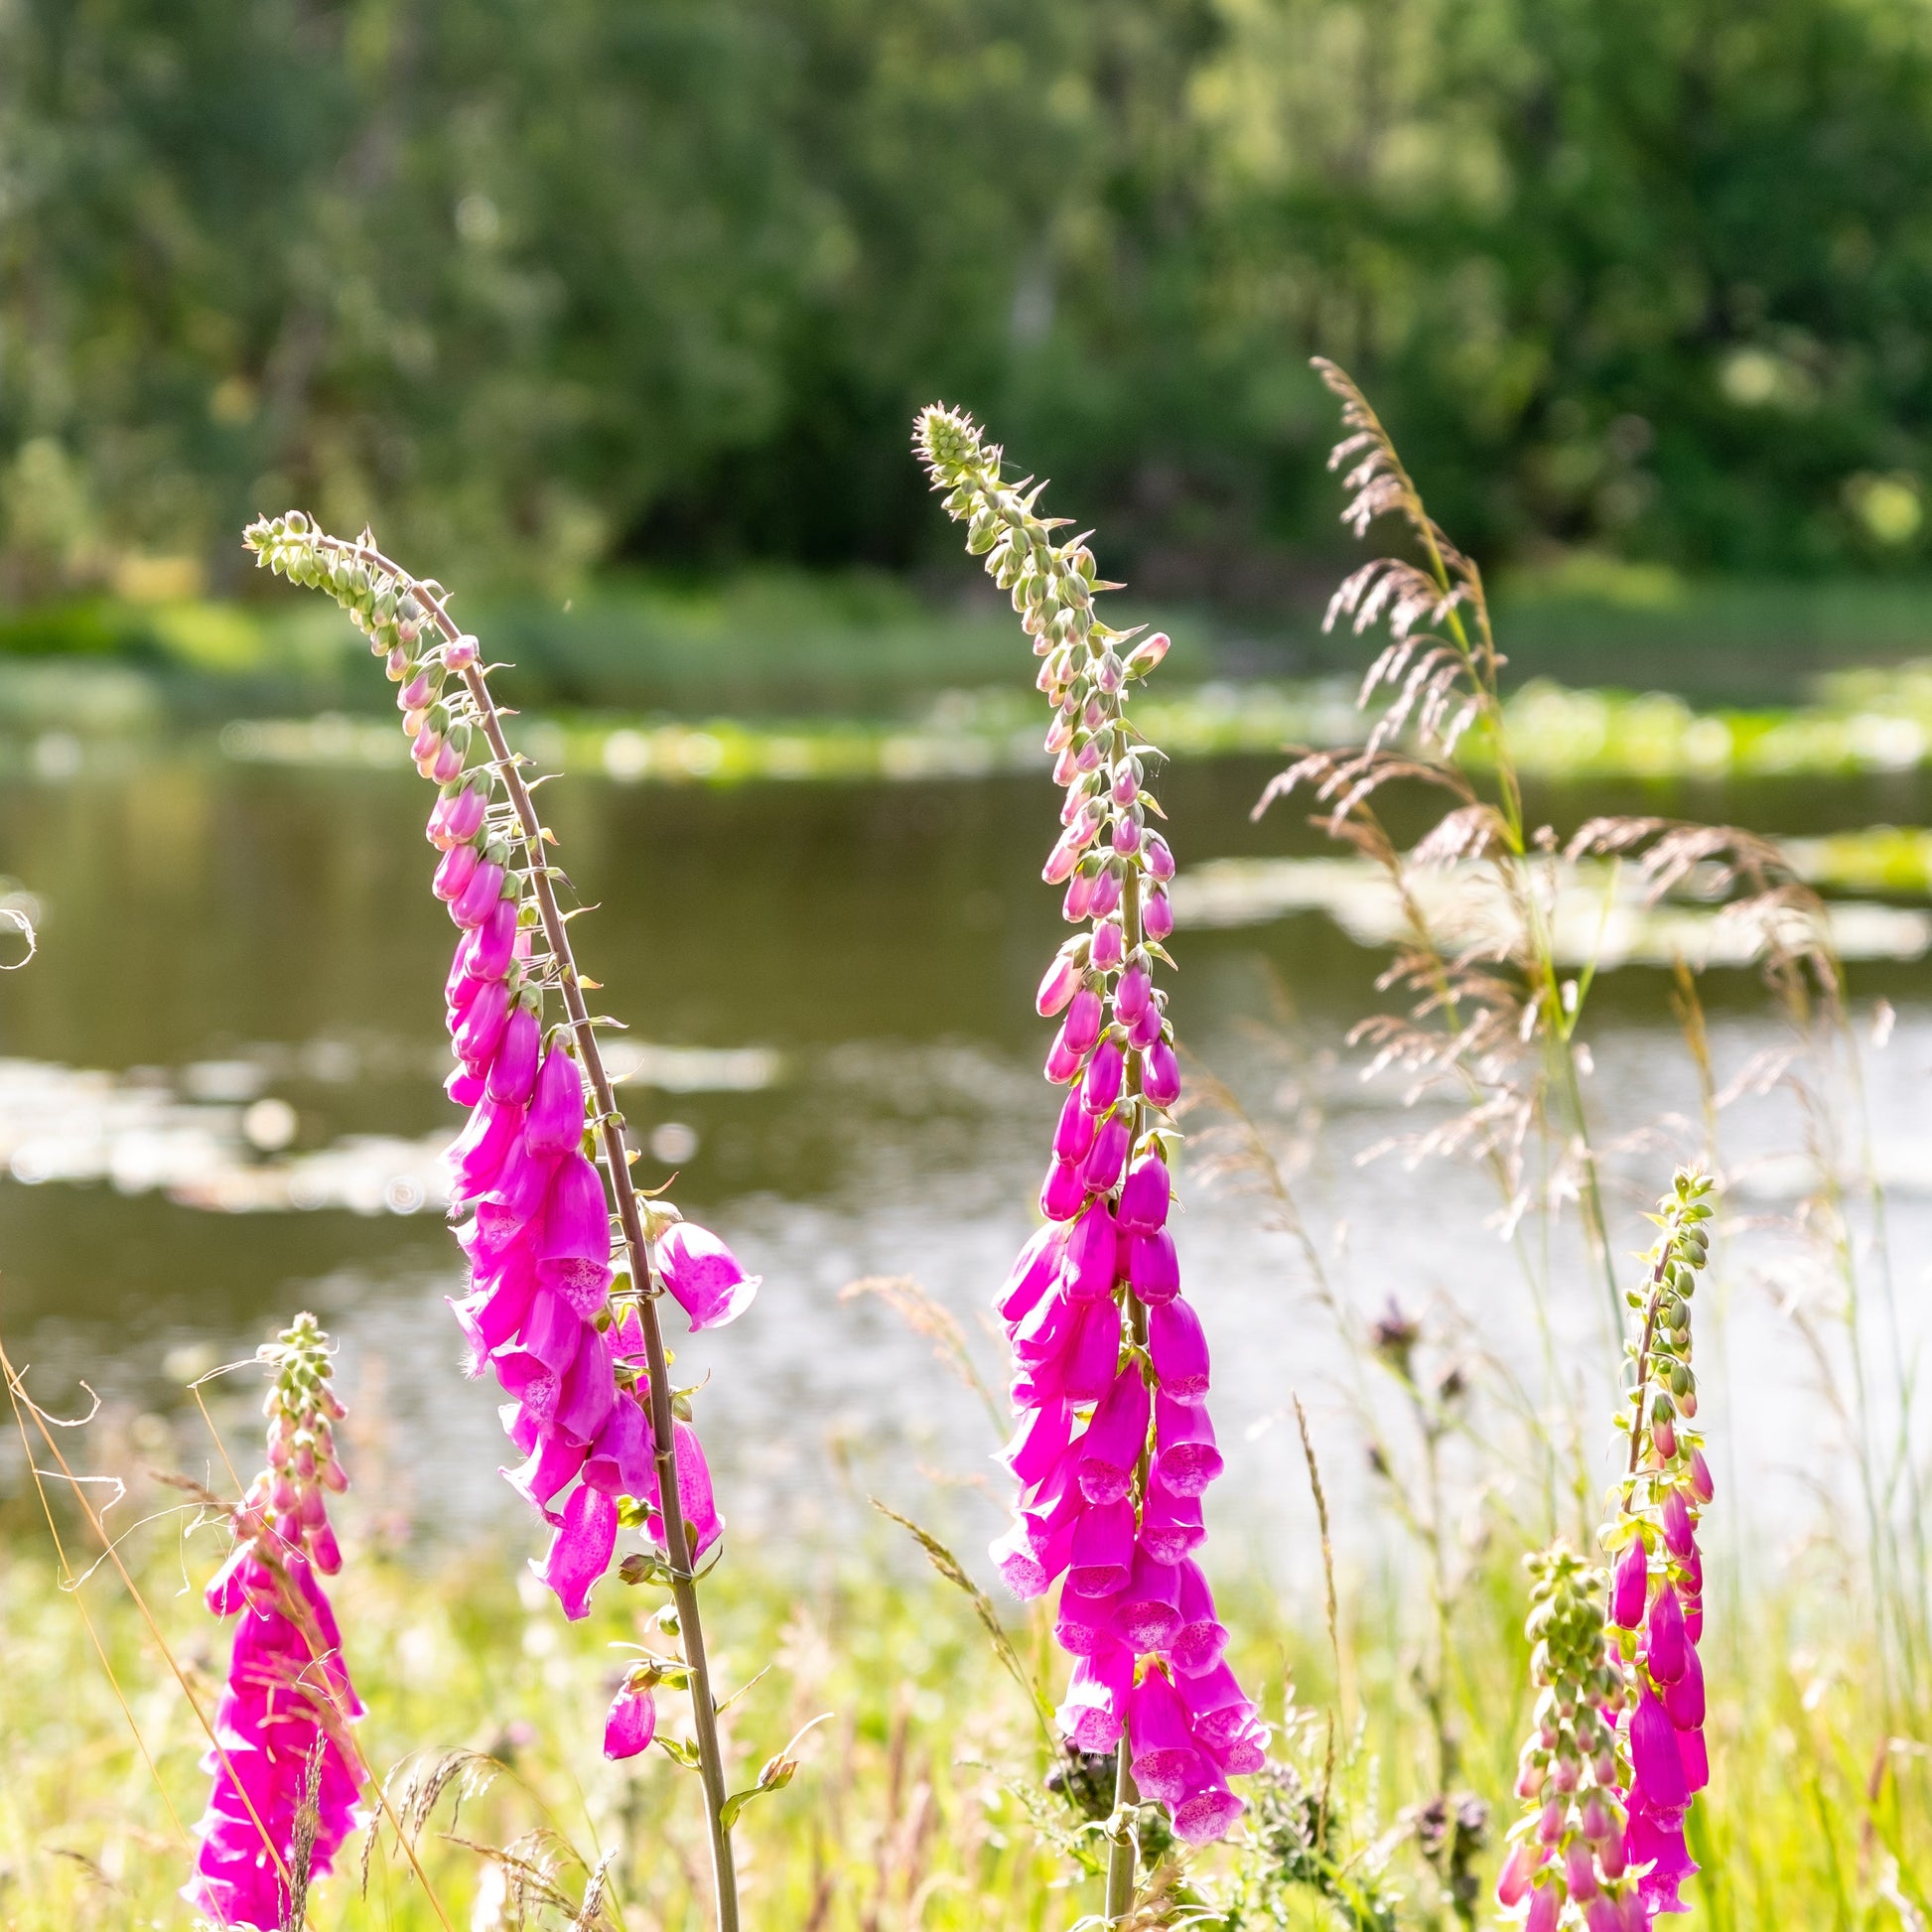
(236, 1006)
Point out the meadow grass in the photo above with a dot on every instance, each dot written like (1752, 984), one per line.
(919, 1799)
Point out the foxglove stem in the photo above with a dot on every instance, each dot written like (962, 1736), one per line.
(293, 544)
(1076, 1305)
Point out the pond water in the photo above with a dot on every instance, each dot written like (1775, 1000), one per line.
(219, 1102)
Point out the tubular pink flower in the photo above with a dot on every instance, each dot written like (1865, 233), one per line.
(1087, 1268)
(1631, 1585)
(1144, 1199)
(1095, 1709)
(1153, 1270)
(513, 1069)
(1103, 1549)
(581, 1549)
(1178, 1350)
(1666, 1648)
(1171, 1524)
(556, 1122)
(1111, 1447)
(631, 1721)
(1166, 1763)
(704, 1276)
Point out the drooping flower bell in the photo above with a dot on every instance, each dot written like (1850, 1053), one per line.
(1115, 1446)
(285, 1776)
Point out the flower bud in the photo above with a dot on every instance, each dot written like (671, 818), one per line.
(1109, 945)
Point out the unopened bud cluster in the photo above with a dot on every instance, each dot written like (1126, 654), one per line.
(1657, 1587)
(1114, 1448)
(1567, 1862)
(540, 1240)
(281, 1728)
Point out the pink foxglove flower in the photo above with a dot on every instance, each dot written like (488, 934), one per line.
(1115, 1446)
(1660, 1577)
(567, 1261)
(285, 1779)
(633, 1719)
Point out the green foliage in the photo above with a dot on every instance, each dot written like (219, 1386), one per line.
(539, 286)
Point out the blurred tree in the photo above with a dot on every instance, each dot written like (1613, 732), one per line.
(543, 284)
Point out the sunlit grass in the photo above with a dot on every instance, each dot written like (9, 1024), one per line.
(904, 1813)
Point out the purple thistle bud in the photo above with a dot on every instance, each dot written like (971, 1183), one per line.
(1110, 1450)
(704, 1276)
(1171, 1525)
(513, 1068)
(1074, 1134)
(1161, 1074)
(1177, 1348)
(1131, 994)
(1096, 1699)
(1101, 1170)
(1145, 1198)
(581, 1549)
(1657, 1765)
(1062, 1192)
(1664, 1639)
(1199, 1640)
(453, 871)
(1165, 1761)
(556, 1122)
(1103, 1549)
(1152, 1268)
(1109, 945)
(1157, 914)
(1631, 1585)
(1101, 1088)
(1158, 860)
(631, 1722)
(1145, 1611)
(1186, 1458)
